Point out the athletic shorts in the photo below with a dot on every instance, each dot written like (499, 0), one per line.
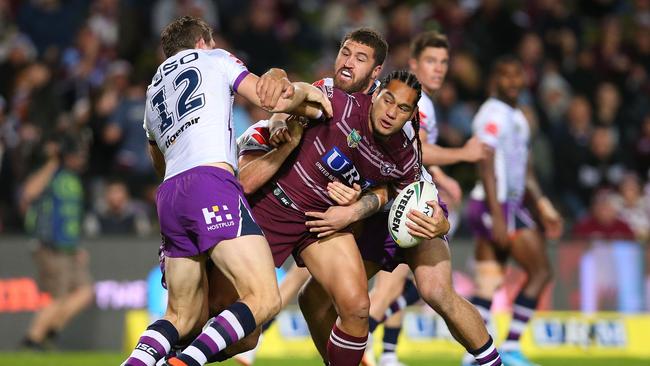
(283, 225)
(60, 272)
(199, 208)
(480, 220)
(377, 246)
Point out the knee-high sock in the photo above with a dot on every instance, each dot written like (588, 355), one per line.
(522, 310)
(154, 344)
(409, 296)
(231, 325)
(344, 349)
(487, 355)
(390, 339)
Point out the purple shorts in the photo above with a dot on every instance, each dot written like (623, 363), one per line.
(480, 221)
(377, 246)
(199, 208)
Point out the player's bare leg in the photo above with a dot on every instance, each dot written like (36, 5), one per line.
(335, 262)
(529, 251)
(289, 287)
(431, 264)
(319, 312)
(259, 299)
(388, 287)
(186, 310)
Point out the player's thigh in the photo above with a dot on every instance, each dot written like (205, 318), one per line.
(529, 250)
(247, 263)
(390, 284)
(186, 297)
(335, 262)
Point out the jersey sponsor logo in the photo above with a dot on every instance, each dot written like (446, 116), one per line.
(147, 348)
(220, 220)
(344, 169)
(610, 333)
(171, 139)
(354, 138)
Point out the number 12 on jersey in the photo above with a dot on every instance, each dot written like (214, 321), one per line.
(190, 80)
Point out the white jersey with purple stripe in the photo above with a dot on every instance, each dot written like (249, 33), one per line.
(189, 109)
(506, 130)
(428, 118)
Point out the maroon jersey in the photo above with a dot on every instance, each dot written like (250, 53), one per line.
(344, 149)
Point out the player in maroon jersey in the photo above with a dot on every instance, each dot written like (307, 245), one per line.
(364, 144)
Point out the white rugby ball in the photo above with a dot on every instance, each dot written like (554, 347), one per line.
(414, 196)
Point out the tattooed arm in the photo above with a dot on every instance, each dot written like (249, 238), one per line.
(339, 217)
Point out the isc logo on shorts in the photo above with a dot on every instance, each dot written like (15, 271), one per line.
(344, 168)
(223, 219)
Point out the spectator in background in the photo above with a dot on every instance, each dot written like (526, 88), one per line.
(259, 42)
(607, 108)
(603, 166)
(613, 263)
(53, 196)
(117, 213)
(165, 11)
(632, 208)
(554, 94)
(572, 148)
(124, 131)
(642, 149)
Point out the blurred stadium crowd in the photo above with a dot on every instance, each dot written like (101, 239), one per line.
(76, 71)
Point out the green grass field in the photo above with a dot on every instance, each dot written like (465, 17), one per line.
(114, 359)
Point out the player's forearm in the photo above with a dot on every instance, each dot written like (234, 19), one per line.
(436, 155)
(288, 105)
(258, 172)
(370, 203)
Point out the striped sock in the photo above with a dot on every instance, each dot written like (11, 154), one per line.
(522, 310)
(409, 296)
(154, 344)
(373, 324)
(228, 327)
(344, 349)
(487, 355)
(390, 339)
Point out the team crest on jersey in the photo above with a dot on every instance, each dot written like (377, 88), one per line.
(386, 168)
(354, 138)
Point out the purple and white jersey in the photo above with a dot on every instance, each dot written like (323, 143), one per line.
(255, 139)
(428, 118)
(506, 130)
(188, 110)
(345, 149)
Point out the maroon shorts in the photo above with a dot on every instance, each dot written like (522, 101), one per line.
(284, 227)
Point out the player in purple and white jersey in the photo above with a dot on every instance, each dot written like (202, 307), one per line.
(502, 226)
(202, 210)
